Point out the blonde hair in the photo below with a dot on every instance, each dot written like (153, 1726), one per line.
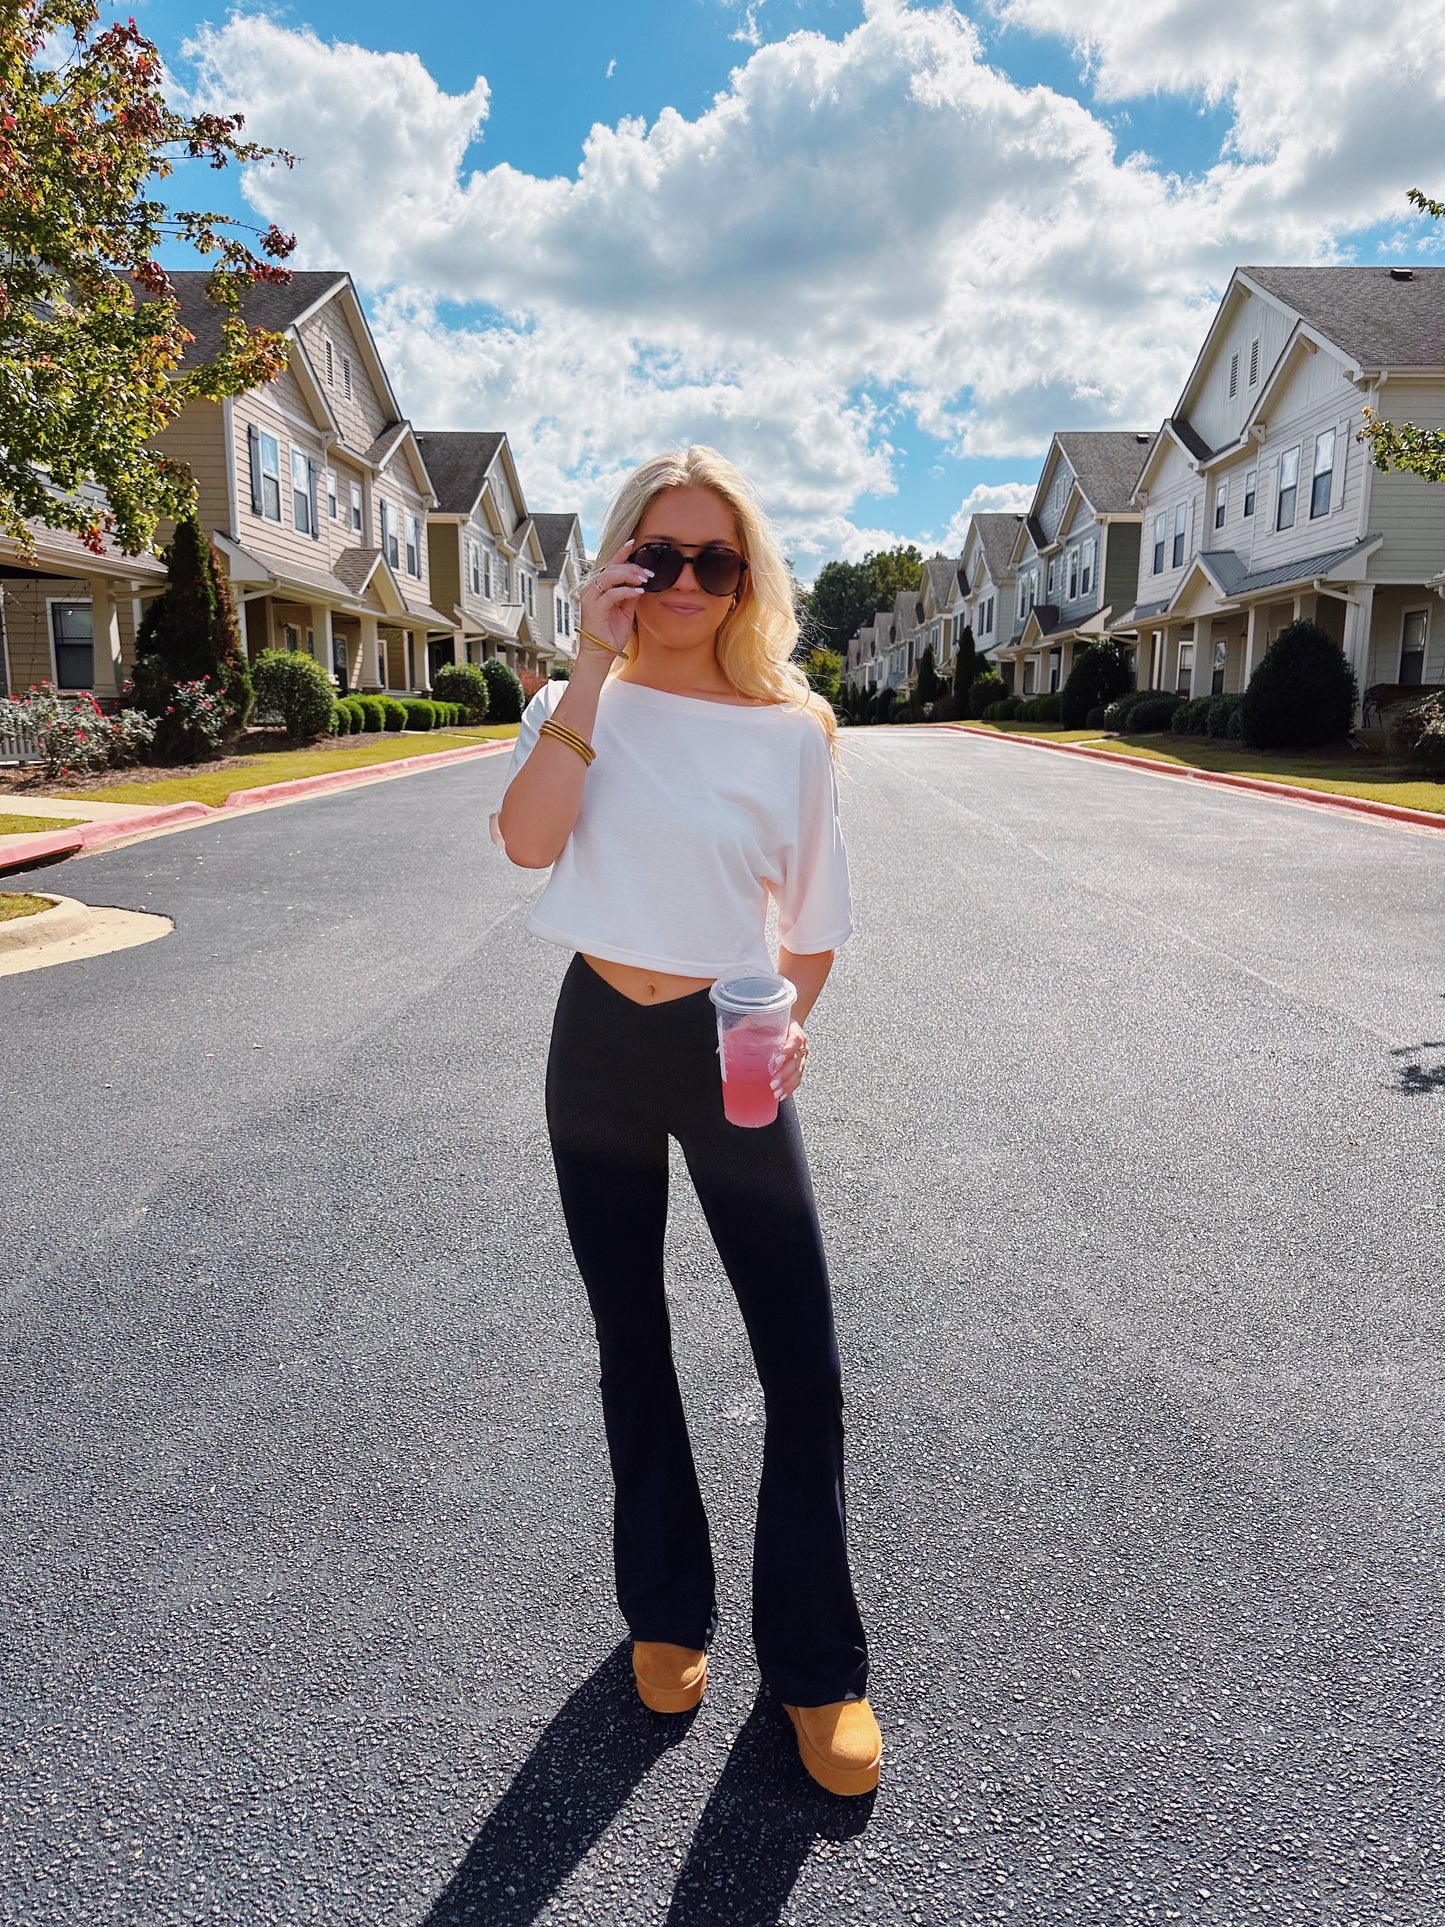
(757, 637)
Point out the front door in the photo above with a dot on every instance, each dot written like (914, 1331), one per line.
(439, 652)
(338, 660)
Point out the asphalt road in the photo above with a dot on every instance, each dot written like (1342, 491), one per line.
(1127, 1112)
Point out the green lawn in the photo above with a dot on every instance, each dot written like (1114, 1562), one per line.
(24, 825)
(1341, 774)
(213, 786)
(1045, 732)
(19, 906)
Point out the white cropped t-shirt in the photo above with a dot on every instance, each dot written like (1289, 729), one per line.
(693, 814)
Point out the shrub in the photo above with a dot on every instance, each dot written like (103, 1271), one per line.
(967, 670)
(373, 712)
(293, 690)
(994, 712)
(1013, 708)
(393, 714)
(1116, 713)
(189, 634)
(1415, 732)
(420, 714)
(1154, 713)
(1221, 708)
(462, 683)
(504, 692)
(984, 690)
(942, 710)
(1099, 675)
(1302, 694)
(1095, 717)
(192, 717)
(1191, 717)
(73, 735)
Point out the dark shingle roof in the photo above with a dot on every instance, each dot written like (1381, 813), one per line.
(355, 568)
(263, 306)
(1194, 443)
(997, 534)
(943, 571)
(554, 532)
(1380, 322)
(457, 460)
(1107, 463)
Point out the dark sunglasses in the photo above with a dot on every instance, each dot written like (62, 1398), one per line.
(719, 569)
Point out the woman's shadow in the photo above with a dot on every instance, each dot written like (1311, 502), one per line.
(750, 1844)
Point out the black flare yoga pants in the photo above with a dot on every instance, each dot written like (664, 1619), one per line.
(621, 1078)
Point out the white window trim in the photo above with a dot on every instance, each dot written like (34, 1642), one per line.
(1280, 486)
(54, 602)
(263, 436)
(1221, 503)
(1405, 615)
(1250, 496)
(1316, 515)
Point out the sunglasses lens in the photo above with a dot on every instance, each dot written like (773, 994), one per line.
(718, 571)
(665, 563)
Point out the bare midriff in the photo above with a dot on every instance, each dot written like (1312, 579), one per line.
(646, 986)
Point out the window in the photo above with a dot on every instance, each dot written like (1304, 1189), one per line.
(1086, 571)
(1052, 566)
(487, 574)
(1056, 667)
(331, 509)
(346, 376)
(1234, 374)
(1186, 668)
(1073, 573)
(531, 589)
(270, 478)
(291, 636)
(330, 367)
(70, 626)
(557, 628)
(1221, 503)
(1030, 672)
(1249, 482)
(1181, 524)
(1412, 646)
(474, 568)
(988, 617)
(413, 545)
(390, 535)
(1254, 362)
(504, 579)
(300, 493)
(356, 506)
(1324, 474)
(1288, 488)
(1161, 525)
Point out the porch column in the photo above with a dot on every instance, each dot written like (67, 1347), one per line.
(108, 674)
(1359, 619)
(1251, 641)
(321, 634)
(370, 665)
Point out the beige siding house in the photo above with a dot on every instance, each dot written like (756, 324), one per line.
(487, 558)
(1259, 502)
(68, 617)
(314, 491)
(564, 565)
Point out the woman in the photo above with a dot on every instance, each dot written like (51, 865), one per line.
(680, 777)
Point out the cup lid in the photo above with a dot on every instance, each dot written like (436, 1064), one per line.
(755, 991)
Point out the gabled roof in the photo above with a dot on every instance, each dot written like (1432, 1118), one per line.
(457, 461)
(997, 533)
(554, 532)
(1378, 321)
(263, 306)
(941, 573)
(1106, 464)
(1194, 445)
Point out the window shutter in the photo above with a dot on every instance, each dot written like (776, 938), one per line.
(253, 444)
(312, 473)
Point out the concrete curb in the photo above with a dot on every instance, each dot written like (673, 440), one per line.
(23, 852)
(64, 918)
(1292, 792)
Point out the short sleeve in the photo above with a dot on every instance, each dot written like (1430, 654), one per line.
(533, 717)
(815, 908)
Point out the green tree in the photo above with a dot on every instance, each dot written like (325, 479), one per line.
(91, 339)
(1101, 673)
(188, 633)
(895, 569)
(824, 670)
(1302, 693)
(1403, 446)
(926, 687)
(847, 594)
(966, 669)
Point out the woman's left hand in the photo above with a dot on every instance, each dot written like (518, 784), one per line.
(790, 1060)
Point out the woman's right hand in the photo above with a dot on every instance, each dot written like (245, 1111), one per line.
(608, 602)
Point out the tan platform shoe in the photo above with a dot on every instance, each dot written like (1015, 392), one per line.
(670, 1679)
(839, 1744)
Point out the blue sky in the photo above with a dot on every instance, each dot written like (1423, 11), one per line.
(874, 249)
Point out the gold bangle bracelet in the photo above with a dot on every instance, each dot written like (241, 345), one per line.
(587, 636)
(560, 733)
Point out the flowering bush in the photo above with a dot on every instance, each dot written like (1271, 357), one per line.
(1416, 732)
(71, 733)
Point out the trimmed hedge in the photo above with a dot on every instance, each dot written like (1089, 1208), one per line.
(1225, 717)
(983, 692)
(394, 714)
(373, 712)
(1153, 714)
(1302, 694)
(1191, 718)
(420, 714)
(294, 690)
(504, 692)
(463, 684)
(1095, 717)
(1101, 673)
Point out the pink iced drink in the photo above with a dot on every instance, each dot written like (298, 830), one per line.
(748, 1095)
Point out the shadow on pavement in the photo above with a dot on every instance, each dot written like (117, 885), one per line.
(758, 1828)
(592, 1756)
(1417, 1079)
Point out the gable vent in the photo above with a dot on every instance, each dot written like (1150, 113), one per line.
(1402, 274)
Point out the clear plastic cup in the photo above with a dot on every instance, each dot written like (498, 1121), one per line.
(753, 1014)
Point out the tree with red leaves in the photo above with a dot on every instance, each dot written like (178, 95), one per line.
(91, 340)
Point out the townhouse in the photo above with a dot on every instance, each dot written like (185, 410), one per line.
(68, 617)
(1075, 556)
(940, 611)
(1260, 503)
(564, 567)
(314, 491)
(986, 571)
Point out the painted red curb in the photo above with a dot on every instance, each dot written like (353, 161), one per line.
(20, 852)
(339, 779)
(1356, 805)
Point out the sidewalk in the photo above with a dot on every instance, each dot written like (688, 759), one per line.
(108, 825)
(1257, 785)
